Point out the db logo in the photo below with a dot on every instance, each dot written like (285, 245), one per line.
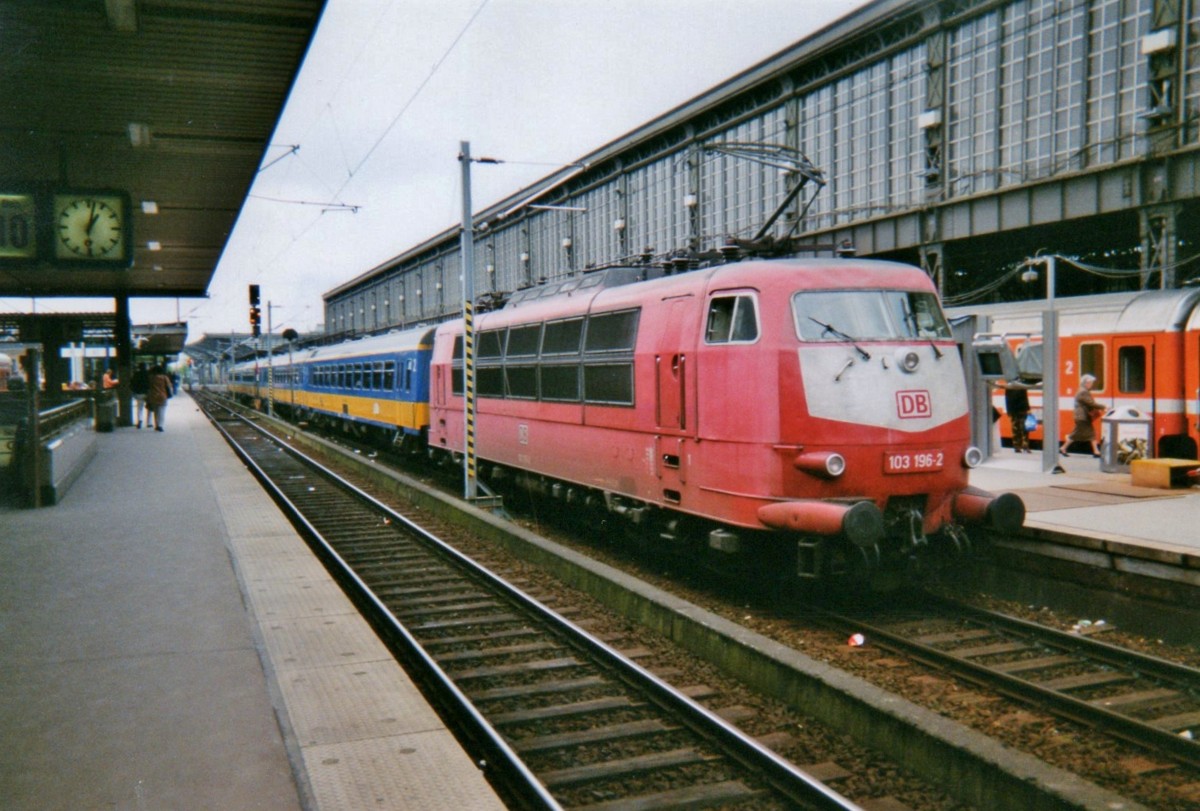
(913, 404)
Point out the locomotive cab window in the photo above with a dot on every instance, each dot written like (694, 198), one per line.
(731, 319)
(868, 315)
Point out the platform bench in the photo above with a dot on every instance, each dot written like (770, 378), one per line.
(1164, 473)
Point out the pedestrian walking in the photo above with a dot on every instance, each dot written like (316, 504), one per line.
(1086, 411)
(1016, 403)
(157, 394)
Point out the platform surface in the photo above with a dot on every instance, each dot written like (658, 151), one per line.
(168, 642)
(1084, 501)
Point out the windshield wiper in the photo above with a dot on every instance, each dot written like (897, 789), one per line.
(837, 332)
(911, 319)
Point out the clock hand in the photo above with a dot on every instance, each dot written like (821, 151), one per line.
(91, 218)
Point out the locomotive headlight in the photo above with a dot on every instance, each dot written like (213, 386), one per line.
(835, 465)
(908, 359)
(973, 457)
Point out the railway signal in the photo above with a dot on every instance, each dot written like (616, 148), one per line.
(255, 313)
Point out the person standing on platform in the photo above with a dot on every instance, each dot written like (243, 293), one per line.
(1086, 410)
(108, 381)
(158, 392)
(1016, 403)
(139, 384)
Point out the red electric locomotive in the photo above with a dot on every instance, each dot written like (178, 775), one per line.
(806, 415)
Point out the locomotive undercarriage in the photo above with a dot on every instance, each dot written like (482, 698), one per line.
(904, 552)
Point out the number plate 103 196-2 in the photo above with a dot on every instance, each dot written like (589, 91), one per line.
(913, 461)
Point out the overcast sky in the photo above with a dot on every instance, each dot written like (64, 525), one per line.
(390, 88)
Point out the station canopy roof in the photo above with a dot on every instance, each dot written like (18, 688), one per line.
(97, 329)
(171, 101)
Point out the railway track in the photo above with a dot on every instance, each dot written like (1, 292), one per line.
(560, 719)
(1133, 696)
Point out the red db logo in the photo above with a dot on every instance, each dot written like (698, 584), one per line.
(913, 404)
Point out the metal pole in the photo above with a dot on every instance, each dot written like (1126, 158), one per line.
(270, 368)
(1050, 435)
(33, 411)
(470, 485)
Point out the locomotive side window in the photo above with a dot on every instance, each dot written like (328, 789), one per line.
(608, 383)
(523, 341)
(731, 319)
(521, 381)
(489, 344)
(1131, 369)
(562, 337)
(489, 373)
(612, 332)
(1091, 362)
(489, 381)
(558, 371)
(560, 382)
(608, 357)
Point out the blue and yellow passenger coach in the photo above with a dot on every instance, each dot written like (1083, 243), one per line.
(376, 386)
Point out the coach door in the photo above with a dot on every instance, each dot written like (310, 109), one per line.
(1135, 378)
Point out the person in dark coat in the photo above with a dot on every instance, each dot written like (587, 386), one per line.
(157, 393)
(1016, 403)
(1086, 410)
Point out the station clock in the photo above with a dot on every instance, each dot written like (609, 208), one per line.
(90, 227)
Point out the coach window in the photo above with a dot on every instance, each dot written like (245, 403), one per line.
(389, 375)
(1091, 362)
(379, 381)
(731, 319)
(1131, 369)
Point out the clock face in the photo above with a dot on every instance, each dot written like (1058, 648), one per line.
(89, 227)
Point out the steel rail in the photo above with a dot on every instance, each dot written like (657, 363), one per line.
(785, 777)
(1129, 729)
(488, 747)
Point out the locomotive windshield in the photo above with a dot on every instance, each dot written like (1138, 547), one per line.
(868, 315)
